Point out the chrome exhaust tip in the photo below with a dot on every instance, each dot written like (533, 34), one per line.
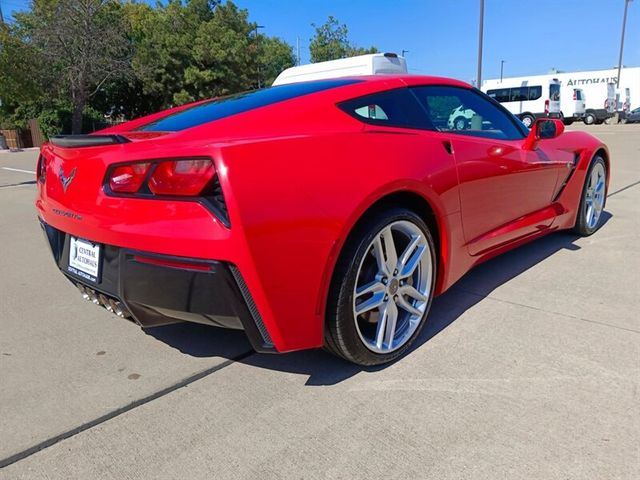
(83, 291)
(105, 302)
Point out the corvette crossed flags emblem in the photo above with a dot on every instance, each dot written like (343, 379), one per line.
(66, 180)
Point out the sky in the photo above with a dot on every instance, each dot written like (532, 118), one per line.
(441, 36)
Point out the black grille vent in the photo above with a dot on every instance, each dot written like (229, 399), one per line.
(218, 197)
(216, 202)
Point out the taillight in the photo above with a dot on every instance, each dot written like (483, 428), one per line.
(128, 178)
(546, 106)
(42, 169)
(189, 177)
(575, 95)
(181, 177)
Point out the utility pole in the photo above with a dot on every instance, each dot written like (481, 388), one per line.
(480, 38)
(624, 25)
(1, 17)
(501, 69)
(257, 55)
(298, 50)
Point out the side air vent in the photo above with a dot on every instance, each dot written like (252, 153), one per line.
(570, 171)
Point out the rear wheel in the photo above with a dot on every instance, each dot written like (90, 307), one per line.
(528, 120)
(589, 118)
(593, 200)
(382, 288)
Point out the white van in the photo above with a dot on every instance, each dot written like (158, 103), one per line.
(371, 64)
(527, 101)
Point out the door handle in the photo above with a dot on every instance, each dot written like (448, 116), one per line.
(447, 146)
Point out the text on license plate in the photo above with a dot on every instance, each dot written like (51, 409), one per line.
(84, 258)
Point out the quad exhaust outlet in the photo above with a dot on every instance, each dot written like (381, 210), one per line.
(111, 304)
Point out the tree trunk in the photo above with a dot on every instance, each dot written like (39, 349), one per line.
(79, 99)
(76, 116)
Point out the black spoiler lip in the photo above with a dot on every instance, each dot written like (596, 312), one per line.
(78, 141)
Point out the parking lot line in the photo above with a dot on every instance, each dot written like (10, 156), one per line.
(18, 170)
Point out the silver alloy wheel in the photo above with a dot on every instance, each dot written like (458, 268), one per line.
(527, 121)
(594, 198)
(460, 123)
(392, 291)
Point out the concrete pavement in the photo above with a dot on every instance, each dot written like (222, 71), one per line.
(529, 368)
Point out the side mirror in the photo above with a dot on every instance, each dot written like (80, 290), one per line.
(543, 129)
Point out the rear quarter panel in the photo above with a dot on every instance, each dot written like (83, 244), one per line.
(297, 198)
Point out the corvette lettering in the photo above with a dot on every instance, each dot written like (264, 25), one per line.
(64, 213)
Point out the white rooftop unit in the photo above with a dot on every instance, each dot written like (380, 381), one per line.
(371, 64)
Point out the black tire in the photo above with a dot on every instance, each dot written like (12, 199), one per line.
(581, 226)
(341, 334)
(568, 122)
(460, 123)
(528, 120)
(589, 118)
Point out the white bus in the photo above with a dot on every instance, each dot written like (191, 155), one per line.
(371, 64)
(598, 89)
(527, 100)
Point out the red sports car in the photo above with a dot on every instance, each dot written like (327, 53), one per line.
(325, 213)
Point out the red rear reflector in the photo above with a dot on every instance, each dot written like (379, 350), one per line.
(128, 178)
(181, 177)
(166, 262)
(546, 106)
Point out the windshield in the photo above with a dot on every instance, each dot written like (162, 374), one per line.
(234, 104)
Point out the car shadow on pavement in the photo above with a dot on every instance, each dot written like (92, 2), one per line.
(322, 368)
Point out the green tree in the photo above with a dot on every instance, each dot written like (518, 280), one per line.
(274, 56)
(201, 49)
(331, 42)
(91, 59)
(82, 42)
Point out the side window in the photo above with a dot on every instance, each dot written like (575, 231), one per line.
(467, 112)
(535, 93)
(520, 94)
(393, 108)
(500, 94)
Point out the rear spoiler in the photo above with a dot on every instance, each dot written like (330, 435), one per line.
(75, 141)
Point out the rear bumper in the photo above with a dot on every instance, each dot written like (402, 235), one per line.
(160, 289)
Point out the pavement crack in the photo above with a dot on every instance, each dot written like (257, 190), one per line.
(5, 462)
(538, 309)
(624, 188)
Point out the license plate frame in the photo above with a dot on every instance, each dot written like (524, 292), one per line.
(84, 259)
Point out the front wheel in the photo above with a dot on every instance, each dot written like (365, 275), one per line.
(528, 120)
(460, 123)
(382, 288)
(593, 200)
(589, 119)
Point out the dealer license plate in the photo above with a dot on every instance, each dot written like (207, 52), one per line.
(84, 259)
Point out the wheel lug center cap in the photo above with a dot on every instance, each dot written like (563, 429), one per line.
(393, 286)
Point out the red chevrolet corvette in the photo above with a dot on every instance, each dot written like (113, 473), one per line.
(325, 213)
